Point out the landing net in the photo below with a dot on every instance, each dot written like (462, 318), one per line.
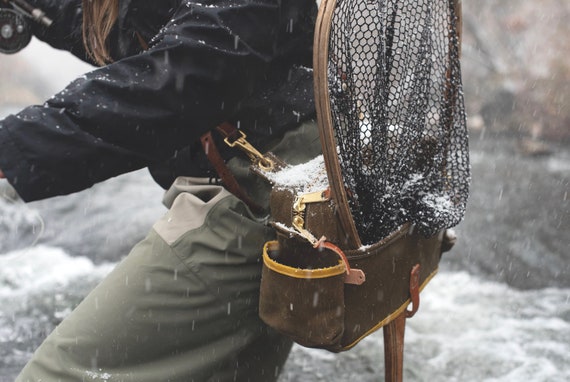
(397, 111)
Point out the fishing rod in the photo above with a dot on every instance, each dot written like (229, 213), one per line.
(15, 31)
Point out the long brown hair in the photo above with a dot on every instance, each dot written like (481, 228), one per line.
(99, 16)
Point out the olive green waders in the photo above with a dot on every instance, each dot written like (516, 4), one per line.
(183, 305)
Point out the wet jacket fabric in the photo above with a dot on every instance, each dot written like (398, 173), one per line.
(243, 61)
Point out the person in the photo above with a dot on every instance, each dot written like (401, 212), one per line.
(182, 306)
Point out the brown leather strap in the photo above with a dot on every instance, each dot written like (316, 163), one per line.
(228, 131)
(353, 276)
(414, 290)
(228, 179)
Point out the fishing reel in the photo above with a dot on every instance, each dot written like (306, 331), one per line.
(15, 29)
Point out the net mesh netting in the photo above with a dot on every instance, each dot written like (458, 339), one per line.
(397, 109)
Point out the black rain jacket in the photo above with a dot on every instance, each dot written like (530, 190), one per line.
(243, 61)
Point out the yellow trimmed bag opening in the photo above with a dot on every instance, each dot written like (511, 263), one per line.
(305, 304)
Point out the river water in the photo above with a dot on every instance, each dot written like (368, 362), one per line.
(499, 309)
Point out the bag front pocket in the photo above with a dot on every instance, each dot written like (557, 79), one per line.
(303, 302)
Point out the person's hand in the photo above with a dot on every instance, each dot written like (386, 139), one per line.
(2, 176)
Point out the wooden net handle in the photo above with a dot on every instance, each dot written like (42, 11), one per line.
(324, 121)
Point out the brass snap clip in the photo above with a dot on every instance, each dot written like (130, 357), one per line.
(253, 154)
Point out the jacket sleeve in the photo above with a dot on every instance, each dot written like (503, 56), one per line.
(141, 109)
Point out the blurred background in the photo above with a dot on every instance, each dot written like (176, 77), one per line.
(498, 311)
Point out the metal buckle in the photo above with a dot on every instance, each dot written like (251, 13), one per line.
(255, 156)
(299, 205)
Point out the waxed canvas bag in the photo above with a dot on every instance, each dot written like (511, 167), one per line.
(362, 231)
(326, 299)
